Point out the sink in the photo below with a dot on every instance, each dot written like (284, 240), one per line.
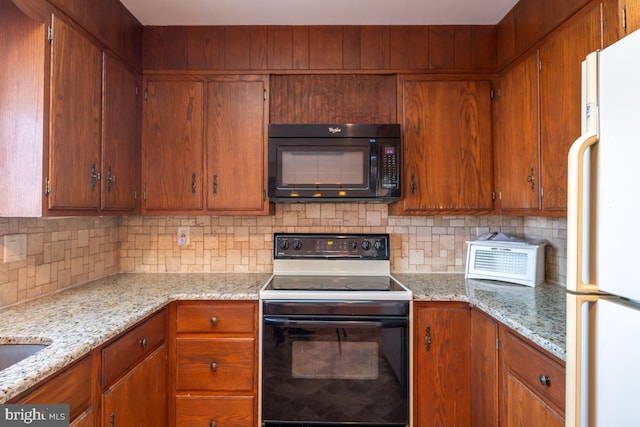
(11, 354)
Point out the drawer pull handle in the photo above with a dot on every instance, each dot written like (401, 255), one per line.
(427, 338)
(143, 342)
(214, 320)
(212, 424)
(214, 366)
(545, 380)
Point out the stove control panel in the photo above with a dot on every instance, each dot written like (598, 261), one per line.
(323, 246)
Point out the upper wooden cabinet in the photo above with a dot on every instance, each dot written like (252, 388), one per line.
(447, 150)
(65, 107)
(236, 122)
(631, 16)
(172, 159)
(538, 118)
(74, 120)
(121, 120)
(516, 137)
(204, 139)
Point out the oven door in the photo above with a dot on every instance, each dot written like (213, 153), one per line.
(333, 370)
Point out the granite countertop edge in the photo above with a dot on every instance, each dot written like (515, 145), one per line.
(77, 320)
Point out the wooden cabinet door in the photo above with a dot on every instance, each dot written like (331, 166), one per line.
(120, 136)
(140, 397)
(526, 400)
(630, 10)
(236, 145)
(447, 149)
(442, 384)
(173, 146)
(516, 154)
(560, 71)
(484, 370)
(74, 119)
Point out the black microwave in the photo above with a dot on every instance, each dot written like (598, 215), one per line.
(334, 162)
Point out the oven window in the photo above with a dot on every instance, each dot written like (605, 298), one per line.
(327, 168)
(334, 374)
(334, 360)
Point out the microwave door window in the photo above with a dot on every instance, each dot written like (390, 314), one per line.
(324, 169)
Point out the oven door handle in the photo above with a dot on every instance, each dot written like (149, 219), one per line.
(374, 323)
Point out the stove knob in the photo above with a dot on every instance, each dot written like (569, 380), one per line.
(297, 245)
(283, 244)
(378, 245)
(366, 245)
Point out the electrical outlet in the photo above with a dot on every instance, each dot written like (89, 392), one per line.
(184, 236)
(15, 248)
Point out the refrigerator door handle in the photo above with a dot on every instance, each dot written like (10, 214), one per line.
(577, 363)
(578, 227)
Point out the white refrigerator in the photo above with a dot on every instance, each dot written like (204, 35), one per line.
(603, 244)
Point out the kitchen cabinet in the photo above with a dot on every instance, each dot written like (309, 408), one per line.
(72, 386)
(74, 125)
(532, 384)
(484, 370)
(173, 149)
(134, 375)
(236, 143)
(121, 118)
(442, 377)
(447, 149)
(215, 350)
(629, 16)
(204, 145)
(538, 118)
(67, 109)
(139, 398)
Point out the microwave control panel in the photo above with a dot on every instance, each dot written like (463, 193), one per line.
(389, 166)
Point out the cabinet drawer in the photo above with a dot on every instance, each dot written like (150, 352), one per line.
(132, 347)
(225, 318)
(225, 411)
(221, 364)
(71, 386)
(543, 375)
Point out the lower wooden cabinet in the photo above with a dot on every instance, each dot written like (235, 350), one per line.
(140, 397)
(219, 411)
(134, 376)
(484, 370)
(470, 370)
(216, 360)
(532, 384)
(442, 382)
(73, 386)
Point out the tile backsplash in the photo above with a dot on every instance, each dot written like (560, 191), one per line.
(68, 251)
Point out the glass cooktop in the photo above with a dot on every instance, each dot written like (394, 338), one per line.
(333, 283)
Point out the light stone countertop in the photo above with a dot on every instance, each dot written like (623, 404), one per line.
(538, 313)
(78, 320)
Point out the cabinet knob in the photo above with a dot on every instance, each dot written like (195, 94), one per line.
(143, 342)
(545, 380)
(214, 366)
(214, 320)
(212, 424)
